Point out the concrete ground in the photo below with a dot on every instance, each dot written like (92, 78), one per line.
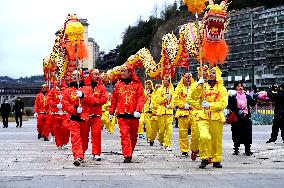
(26, 161)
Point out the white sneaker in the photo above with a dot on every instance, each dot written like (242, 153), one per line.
(52, 139)
(168, 148)
(97, 158)
(64, 147)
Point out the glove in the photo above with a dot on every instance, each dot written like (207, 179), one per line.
(136, 114)
(168, 106)
(201, 80)
(21, 110)
(110, 117)
(168, 96)
(205, 104)
(59, 106)
(60, 97)
(35, 115)
(186, 106)
(79, 110)
(79, 93)
(232, 93)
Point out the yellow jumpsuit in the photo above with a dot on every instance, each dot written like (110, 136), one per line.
(105, 119)
(210, 121)
(154, 118)
(165, 115)
(183, 115)
(145, 119)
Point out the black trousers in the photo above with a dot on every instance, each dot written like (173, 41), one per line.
(278, 123)
(5, 121)
(17, 117)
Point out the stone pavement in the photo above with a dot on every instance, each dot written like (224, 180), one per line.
(26, 161)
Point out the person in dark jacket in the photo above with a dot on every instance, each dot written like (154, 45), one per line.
(240, 103)
(18, 108)
(276, 94)
(5, 112)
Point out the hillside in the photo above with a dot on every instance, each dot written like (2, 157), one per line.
(26, 82)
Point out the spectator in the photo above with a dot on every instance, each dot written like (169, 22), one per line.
(276, 94)
(5, 112)
(240, 103)
(18, 108)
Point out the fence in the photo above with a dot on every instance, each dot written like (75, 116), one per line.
(262, 113)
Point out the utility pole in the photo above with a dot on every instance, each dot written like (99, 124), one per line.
(252, 47)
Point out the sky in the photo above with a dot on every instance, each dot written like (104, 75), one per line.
(28, 27)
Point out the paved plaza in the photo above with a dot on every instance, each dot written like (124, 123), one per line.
(26, 161)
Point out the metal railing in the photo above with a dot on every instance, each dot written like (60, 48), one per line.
(15, 91)
(262, 113)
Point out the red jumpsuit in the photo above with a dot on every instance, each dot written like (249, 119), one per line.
(78, 124)
(59, 118)
(42, 108)
(99, 98)
(126, 99)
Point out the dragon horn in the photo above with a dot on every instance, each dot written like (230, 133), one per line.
(211, 2)
(224, 3)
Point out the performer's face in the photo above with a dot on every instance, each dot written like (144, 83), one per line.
(186, 79)
(43, 89)
(74, 77)
(96, 76)
(166, 82)
(125, 73)
(148, 85)
(212, 75)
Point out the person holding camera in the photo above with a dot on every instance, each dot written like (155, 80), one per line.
(276, 94)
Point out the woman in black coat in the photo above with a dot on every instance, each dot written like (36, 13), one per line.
(240, 103)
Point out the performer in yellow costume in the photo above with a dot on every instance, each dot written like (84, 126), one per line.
(194, 141)
(210, 116)
(165, 108)
(183, 112)
(105, 120)
(147, 111)
(154, 118)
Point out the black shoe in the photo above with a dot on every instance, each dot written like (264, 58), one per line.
(81, 160)
(203, 164)
(270, 140)
(127, 160)
(77, 162)
(248, 153)
(184, 154)
(217, 165)
(151, 143)
(236, 153)
(46, 139)
(17, 126)
(38, 136)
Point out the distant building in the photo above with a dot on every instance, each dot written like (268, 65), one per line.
(93, 48)
(256, 41)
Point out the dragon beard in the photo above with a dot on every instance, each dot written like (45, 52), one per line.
(215, 52)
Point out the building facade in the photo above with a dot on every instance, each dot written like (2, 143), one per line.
(93, 48)
(256, 41)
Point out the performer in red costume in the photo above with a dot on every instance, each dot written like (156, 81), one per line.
(99, 98)
(77, 99)
(42, 110)
(127, 102)
(59, 118)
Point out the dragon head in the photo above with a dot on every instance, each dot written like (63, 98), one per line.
(215, 20)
